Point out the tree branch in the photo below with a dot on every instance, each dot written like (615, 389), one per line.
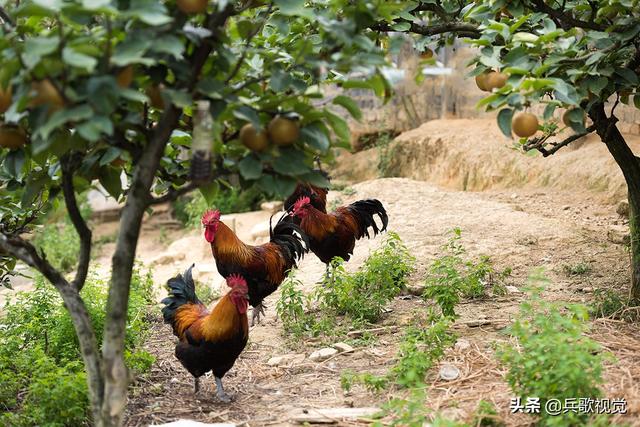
(459, 28)
(173, 194)
(6, 18)
(538, 143)
(565, 19)
(69, 165)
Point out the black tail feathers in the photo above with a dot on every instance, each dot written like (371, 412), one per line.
(182, 290)
(290, 238)
(364, 211)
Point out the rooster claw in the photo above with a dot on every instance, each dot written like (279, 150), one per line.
(222, 395)
(257, 311)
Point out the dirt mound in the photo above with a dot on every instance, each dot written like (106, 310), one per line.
(473, 155)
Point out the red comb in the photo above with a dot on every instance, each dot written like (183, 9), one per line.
(235, 280)
(210, 217)
(302, 201)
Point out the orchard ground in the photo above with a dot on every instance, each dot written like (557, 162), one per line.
(520, 224)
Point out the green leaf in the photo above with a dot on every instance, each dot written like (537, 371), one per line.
(628, 75)
(149, 11)
(57, 119)
(250, 167)
(169, 44)
(14, 162)
(636, 100)
(293, 8)
(211, 88)
(350, 105)
(77, 59)
(132, 51)
(290, 162)
(110, 179)
(248, 114)
(504, 121)
(209, 192)
(110, 155)
(179, 98)
(548, 111)
(93, 129)
(401, 26)
(314, 134)
(37, 47)
(339, 126)
(95, 4)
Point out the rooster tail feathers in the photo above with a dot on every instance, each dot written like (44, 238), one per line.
(290, 238)
(364, 212)
(182, 290)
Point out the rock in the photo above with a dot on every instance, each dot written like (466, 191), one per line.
(518, 208)
(512, 289)
(342, 347)
(285, 359)
(168, 258)
(272, 207)
(449, 372)
(260, 230)
(416, 290)
(322, 354)
(619, 236)
(462, 345)
(623, 208)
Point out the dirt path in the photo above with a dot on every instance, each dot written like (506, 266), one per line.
(521, 230)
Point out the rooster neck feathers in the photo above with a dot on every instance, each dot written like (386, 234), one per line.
(316, 224)
(227, 244)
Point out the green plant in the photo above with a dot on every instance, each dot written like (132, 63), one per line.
(363, 294)
(406, 412)
(578, 269)
(349, 191)
(292, 308)
(609, 303)
(228, 200)
(487, 415)
(451, 277)
(40, 357)
(553, 358)
(335, 203)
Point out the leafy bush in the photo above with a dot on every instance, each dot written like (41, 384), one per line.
(363, 294)
(228, 200)
(451, 277)
(553, 358)
(359, 297)
(42, 375)
(61, 244)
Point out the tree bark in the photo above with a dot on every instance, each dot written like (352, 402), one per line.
(630, 166)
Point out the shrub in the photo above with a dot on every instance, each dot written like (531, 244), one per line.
(553, 358)
(42, 376)
(61, 244)
(227, 200)
(451, 277)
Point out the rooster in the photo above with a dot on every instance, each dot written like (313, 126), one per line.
(209, 340)
(317, 195)
(264, 266)
(334, 234)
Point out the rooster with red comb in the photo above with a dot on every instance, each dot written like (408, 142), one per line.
(264, 266)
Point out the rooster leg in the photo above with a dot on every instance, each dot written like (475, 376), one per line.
(222, 395)
(196, 384)
(256, 312)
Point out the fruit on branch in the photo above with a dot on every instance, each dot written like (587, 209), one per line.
(495, 80)
(283, 131)
(524, 124)
(5, 99)
(481, 82)
(192, 6)
(426, 54)
(12, 137)
(124, 78)
(567, 120)
(252, 139)
(46, 94)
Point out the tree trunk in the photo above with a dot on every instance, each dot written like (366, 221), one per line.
(630, 166)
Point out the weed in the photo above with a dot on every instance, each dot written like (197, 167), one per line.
(348, 191)
(486, 415)
(292, 308)
(334, 204)
(451, 277)
(60, 243)
(608, 303)
(42, 376)
(578, 269)
(553, 358)
(407, 412)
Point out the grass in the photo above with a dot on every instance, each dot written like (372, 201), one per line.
(347, 300)
(578, 269)
(41, 370)
(452, 277)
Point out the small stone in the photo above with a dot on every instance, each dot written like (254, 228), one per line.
(322, 354)
(586, 289)
(619, 236)
(512, 289)
(462, 345)
(285, 359)
(518, 208)
(449, 372)
(566, 207)
(169, 258)
(272, 206)
(416, 290)
(623, 208)
(343, 347)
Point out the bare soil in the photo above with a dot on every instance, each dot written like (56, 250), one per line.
(522, 229)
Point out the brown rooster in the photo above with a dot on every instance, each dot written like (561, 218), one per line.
(317, 196)
(264, 266)
(209, 340)
(335, 234)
